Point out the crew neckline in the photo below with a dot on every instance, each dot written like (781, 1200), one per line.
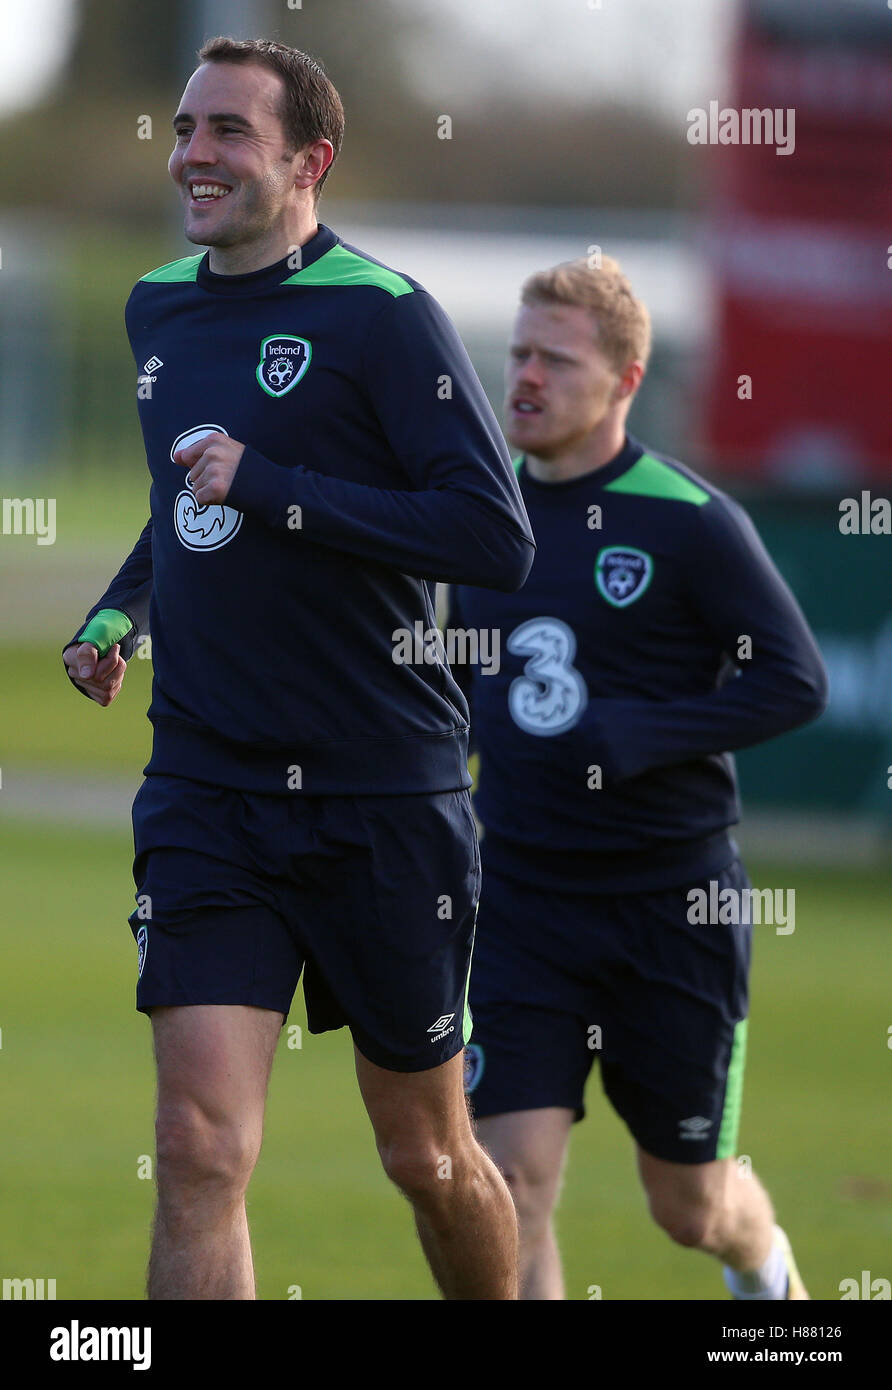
(250, 281)
(628, 455)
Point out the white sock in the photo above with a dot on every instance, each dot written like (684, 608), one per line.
(769, 1281)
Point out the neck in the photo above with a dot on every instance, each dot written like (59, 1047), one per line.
(273, 246)
(593, 452)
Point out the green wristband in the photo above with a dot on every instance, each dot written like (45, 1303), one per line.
(106, 628)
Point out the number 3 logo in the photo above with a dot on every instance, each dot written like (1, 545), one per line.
(550, 695)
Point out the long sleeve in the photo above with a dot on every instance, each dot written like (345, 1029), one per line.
(780, 682)
(129, 593)
(461, 519)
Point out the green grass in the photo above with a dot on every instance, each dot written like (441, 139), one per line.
(55, 727)
(98, 517)
(78, 1096)
(94, 505)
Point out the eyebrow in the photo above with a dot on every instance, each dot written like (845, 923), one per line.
(231, 117)
(565, 354)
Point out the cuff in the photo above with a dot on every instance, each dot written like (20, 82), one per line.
(105, 628)
(260, 487)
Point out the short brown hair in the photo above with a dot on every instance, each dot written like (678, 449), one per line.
(623, 322)
(312, 109)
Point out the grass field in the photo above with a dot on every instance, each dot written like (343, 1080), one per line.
(78, 1096)
(76, 1074)
(57, 728)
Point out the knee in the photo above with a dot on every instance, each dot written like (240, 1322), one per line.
(195, 1148)
(420, 1170)
(696, 1223)
(533, 1192)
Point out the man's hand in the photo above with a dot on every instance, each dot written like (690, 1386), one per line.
(212, 464)
(100, 679)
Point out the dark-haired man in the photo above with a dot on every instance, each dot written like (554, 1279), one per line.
(653, 634)
(306, 805)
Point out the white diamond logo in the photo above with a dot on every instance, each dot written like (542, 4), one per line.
(697, 1127)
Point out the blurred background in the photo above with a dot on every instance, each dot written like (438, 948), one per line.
(768, 279)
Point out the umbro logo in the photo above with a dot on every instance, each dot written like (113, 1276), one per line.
(697, 1127)
(441, 1028)
(148, 372)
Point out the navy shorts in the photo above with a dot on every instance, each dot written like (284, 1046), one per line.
(374, 898)
(562, 980)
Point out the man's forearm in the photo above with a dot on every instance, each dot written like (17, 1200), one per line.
(129, 593)
(634, 736)
(446, 534)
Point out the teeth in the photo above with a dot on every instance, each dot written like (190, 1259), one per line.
(209, 190)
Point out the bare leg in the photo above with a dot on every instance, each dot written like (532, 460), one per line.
(711, 1207)
(530, 1147)
(214, 1062)
(463, 1210)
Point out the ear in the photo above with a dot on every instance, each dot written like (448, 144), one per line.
(629, 380)
(312, 162)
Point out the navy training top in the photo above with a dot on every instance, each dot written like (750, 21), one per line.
(653, 635)
(373, 468)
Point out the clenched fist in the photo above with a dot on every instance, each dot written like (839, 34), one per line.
(212, 464)
(100, 679)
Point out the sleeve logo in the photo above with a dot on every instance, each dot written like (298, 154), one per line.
(283, 361)
(622, 574)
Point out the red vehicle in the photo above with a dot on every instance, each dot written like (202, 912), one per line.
(799, 244)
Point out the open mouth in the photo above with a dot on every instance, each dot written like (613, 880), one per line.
(525, 407)
(202, 194)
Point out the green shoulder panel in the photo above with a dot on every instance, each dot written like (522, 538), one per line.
(186, 269)
(518, 463)
(342, 267)
(650, 477)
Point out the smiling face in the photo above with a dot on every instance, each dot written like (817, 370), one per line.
(238, 181)
(559, 385)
